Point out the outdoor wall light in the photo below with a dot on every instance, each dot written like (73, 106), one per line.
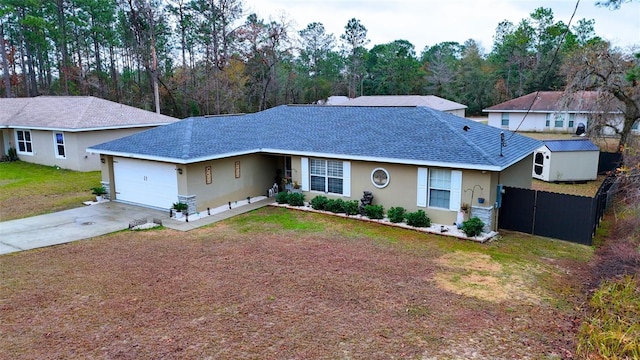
(102, 160)
(180, 171)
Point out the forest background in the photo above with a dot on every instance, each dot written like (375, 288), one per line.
(210, 57)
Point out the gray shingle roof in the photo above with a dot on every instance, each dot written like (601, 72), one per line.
(413, 135)
(75, 113)
(571, 145)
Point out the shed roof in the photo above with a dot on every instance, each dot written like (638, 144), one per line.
(75, 113)
(431, 101)
(411, 135)
(571, 145)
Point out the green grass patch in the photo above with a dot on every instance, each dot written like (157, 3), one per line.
(30, 189)
(613, 330)
(274, 220)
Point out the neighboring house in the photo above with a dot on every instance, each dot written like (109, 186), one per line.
(548, 111)
(430, 101)
(413, 157)
(56, 130)
(566, 160)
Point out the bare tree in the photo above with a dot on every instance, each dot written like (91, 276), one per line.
(600, 68)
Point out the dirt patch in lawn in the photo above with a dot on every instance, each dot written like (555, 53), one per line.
(225, 292)
(476, 275)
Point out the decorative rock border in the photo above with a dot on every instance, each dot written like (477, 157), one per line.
(436, 229)
(144, 223)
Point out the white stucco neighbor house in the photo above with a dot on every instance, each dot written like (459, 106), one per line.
(56, 130)
(430, 101)
(414, 157)
(566, 160)
(548, 111)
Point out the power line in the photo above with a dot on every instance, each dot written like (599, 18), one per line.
(546, 74)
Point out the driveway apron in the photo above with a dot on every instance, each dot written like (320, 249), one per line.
(70, 225)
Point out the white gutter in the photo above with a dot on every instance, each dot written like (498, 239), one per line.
(312, 154)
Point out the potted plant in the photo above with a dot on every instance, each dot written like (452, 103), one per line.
(98, 191)
(296, 188)
(180, 208)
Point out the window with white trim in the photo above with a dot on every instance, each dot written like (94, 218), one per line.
(559, 122)
(547, 120)
(23, 139)
(439, 188)
(326, 176)
(505, 119)
(572, 120)
(58, 142)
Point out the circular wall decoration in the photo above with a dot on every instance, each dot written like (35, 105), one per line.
(380, 177)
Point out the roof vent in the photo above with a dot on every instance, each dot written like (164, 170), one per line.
(503, 142)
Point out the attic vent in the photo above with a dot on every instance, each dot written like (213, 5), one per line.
(466, 128)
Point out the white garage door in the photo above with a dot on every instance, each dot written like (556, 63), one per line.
(145, 182)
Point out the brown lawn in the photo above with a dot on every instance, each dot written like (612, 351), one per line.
(588, 188)
(279, 284)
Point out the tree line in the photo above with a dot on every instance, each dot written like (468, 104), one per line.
(209, 57)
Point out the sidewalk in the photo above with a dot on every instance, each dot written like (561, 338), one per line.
(172, 223)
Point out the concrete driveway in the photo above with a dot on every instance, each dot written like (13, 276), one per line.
(70, 225)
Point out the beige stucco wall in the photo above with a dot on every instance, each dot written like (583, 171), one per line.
(76, 143)
(519, 174)
(256, 176)
(402, 189)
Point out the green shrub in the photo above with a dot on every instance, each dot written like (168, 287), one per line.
(473, 226)
(12, 154)
(374, 211)
(418, 219)
(396, 214)
(282, 197)
(335, 205)
(319, 202)
(296, 199)
(351, 207)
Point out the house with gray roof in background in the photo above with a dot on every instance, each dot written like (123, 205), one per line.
(56, 130)
(430, 101)
(414, 157)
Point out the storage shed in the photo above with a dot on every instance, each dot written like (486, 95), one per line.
(566, 160)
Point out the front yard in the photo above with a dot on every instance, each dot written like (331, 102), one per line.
(276, 283)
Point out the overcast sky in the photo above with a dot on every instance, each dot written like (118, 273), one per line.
(428, 22)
